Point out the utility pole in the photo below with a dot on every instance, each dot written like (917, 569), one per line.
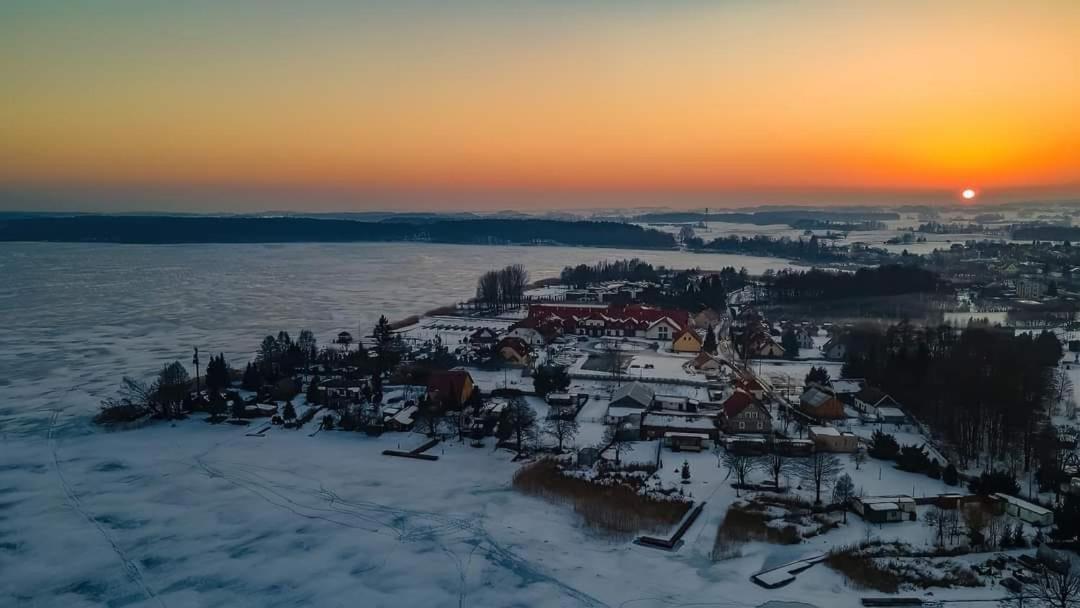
(195, 362)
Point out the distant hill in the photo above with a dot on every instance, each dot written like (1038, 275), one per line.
(153, 229)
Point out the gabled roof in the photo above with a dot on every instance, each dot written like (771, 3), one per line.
(873, 395)
(666, 320)
(814, 397)
(687, 332)
(702, 359)
(448, 383)
(636, 391)
(516, 344)
(737, 402)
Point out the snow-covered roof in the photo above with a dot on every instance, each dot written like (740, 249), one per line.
(843, 387)
(1022, 504)
(815, 397)
(685, 422)
(883, 506)
(890, 412)
(636, 391)
(405, 416)
(823, 431)
(686, 435)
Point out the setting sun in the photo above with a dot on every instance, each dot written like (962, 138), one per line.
(968, 194)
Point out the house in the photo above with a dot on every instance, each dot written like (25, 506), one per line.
(821, 405)
(450, 389)
(885, 509)
(794, 447)
(686, 341)
(742, 413)
(529, 335)
(705, 363)
(765, 347)
(806, 341)
(663, 329)
(404, 420)
(870, 399)
(845, 389)
(485, 336)
(655, 425)
(611, 320)
(686, 442)
(676, 403)
(706, 318)
(513, 350)
(753, 386)
(829, 439)
(562, 399)
(835, 349)
(633, 395)
(891, 415)
(1024, 510)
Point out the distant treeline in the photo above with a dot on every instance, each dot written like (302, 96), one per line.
(761, 218)
(194, 229)
(1046, 233)
(815, 284)
(583, 275)
(811, 249)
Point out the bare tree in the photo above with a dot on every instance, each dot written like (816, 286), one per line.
(820, 470)
(562, 429)
(977, 521)
(739, 465)
(859, 458)
(521, 422)
(1056, 588)
(487, 288)
(944, 523)
(615, 442)
(776, 464)
(843, 492)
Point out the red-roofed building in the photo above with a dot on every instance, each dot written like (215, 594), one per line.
(745, 414)
(450, 389)
(614, 320)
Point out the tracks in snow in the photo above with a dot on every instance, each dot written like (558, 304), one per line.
(403, 525)
(130, 567)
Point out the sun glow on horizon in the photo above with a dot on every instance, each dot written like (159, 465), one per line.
(745, 103)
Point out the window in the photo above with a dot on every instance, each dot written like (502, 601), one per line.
(742, 425)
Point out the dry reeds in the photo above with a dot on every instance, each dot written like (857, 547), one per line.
(610, 506)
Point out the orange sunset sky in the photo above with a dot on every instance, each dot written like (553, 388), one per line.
(238, 106)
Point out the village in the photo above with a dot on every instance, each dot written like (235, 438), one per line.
(654, 423)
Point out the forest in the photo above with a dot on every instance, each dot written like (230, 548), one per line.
(986, 392)
(812, 249)
(816, 284)
(205, 229)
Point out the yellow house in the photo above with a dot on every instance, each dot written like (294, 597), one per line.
(686, 341)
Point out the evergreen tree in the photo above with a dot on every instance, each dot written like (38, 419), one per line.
(710, 341)
(550, 378)
(251, 381)
(818, 375)
(238, 408)
(685, 471)
(217, 374)
(790, 342)
(313, 390)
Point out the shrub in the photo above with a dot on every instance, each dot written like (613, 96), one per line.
(950, 475)
(994, 482)
(883, 446)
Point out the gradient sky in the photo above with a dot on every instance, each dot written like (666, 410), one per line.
(201, 106)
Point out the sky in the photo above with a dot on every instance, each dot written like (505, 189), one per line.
(335, 105)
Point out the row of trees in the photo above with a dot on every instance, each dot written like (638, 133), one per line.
(816, 284)
(812, 249)
(820, 471)
(583, 275)
(506, 287)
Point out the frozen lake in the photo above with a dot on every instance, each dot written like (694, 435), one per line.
(191, 514)
(78, 316)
